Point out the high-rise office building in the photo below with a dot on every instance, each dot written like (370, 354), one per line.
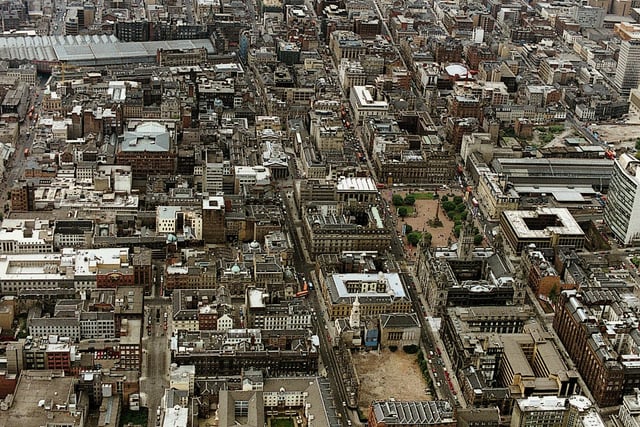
(628, 70)
(622, 211)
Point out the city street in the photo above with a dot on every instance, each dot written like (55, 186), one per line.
(156, 358)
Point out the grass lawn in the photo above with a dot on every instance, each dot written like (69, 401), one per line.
(423, 196)
(134, 417)
(282, 422)
(410, 209)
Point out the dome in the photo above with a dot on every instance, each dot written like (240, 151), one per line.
(171, 238)
(235, 269)
(254, 245)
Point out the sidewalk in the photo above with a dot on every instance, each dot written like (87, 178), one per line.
(437, 342)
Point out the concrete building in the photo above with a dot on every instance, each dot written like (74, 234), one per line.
(25, 236)
(588, 16)
(183, 378)
(470, 277)
(213, 220)
(73, 234)
(179, 221)
(259, 396)
(366, 104)
(590, 323)
(629, 412)
(70, 270)
(491, 345)
(622, 211)
(212, 178)
(42, 396)
(377, 293)
(551, 411)
(356, 190)
(399, 329)
(544, 228)
(328, 229)
(257, 178)
(232, 351)
(627, 75)
(149, 150)
(283, 316)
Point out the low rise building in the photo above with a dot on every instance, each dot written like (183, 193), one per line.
(272, 317)
(377, 293)
(25, 236)
(328, 229)
(586, 322)
(232, 351)
(451, 278)
(399, 329)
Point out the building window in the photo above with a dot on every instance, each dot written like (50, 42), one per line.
(241, 408)
(394, 336)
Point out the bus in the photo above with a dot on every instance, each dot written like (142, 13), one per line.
(26, 152)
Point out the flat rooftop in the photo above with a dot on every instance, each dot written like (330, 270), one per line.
(393, 284)
(85, 49)
(356, 184)
(39, 395)
(560, 222)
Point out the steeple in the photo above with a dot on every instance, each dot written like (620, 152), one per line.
(354, 319)
(465, 243)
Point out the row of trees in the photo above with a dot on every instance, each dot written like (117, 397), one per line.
(456, 210)
(408, 200)
(414, 237)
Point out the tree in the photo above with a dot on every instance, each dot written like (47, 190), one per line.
(457, 200)
(448, 206)
(477, 239)
(410, 200)
(414, 237)
(460, 208)
(397, 200)
(456, 230)
(444, 199)
(553, 293)
(403, 211)
(426, 239)
(410, 349)
(408, 229)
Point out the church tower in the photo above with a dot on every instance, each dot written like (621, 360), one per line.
(354, 319)
(465, 243)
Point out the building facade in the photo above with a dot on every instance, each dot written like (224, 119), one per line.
(622, 211)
